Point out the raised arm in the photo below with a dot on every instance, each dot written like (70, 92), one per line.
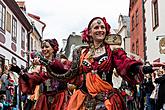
(129, 69)
(55, 69)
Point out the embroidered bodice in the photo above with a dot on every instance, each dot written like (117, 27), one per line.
(83, 64)
(88, 65)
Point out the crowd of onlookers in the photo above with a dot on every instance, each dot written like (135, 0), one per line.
(8, 89)
(149, 95)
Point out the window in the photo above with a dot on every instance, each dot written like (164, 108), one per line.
(2, 17)
(14, 30)
(35, 45)
(8, 23)
(133, 48)
(23, 38)
(2, 61)
(31, 44)
(13, 60)
(132, 23)
(22, 67)
(155, 18)
(137, 17)
(137, 47)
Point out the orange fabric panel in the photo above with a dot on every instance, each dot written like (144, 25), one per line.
(95, 84)
(36, 93)
(108, 105)
(76, 100)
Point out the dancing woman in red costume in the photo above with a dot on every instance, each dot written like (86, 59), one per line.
(93, 65)
(54, 93)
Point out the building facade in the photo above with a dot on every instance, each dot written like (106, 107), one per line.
(37, 34)
(72, 42)
(137, 29)
(15, 31)
(124, 31)
(155, 29)
(20, 33)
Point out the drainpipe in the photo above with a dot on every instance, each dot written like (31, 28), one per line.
(143, 27)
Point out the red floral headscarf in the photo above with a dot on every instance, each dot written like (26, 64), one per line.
(85, 33)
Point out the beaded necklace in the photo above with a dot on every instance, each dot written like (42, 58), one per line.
(94, 64)
(97, 50)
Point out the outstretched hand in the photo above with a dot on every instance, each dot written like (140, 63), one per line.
(14, 68)
(157, 65)
(38, 58)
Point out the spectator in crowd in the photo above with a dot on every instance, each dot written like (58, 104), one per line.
(3, 103)
(8, 84)
(160, 103)
(0, 72)
(148, 88)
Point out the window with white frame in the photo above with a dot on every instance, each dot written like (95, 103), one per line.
(35, 45)
(31, 44)
(2, 17)
(23, 38)
(14, 30)
(8, 23)
(2, 61)
(155, 16)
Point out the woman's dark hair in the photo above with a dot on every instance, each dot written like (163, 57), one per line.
(54, 44)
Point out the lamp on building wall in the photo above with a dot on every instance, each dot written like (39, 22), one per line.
(157, 37)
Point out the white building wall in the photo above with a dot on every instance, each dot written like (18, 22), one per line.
(36, 42)
(8, 40)
(122, 30)
(8, 56)
(37, 24)
(127, 44)
(152, 52)
(122, 33)
(36, 38)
